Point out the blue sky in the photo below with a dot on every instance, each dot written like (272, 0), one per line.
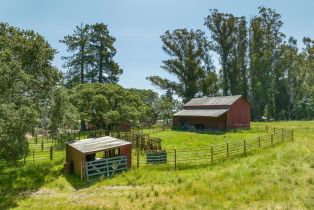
(138, 24)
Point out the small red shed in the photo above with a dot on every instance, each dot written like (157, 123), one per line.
(220, 112)
(97, 157)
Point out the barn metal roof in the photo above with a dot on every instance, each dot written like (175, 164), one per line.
(98, 144)
(201, 112)
(218, 101)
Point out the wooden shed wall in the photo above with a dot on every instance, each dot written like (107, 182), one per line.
(239, 114)
(76, 157)
(127, 151)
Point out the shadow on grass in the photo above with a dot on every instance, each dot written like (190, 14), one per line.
(18, 182)
(220, 132)
(76, 183)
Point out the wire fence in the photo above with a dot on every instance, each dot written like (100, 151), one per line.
(213, 154)
(147, 150)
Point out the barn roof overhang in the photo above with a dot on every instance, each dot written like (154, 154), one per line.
(93, 145)
(201, 112)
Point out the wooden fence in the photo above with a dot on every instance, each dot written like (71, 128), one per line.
(214, 153)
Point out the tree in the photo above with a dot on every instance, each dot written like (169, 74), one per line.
(62, 114)
(286, 81)
(150, 111)
(27, 77)
(304, 104)
(80, 61)
(91, 60)
(265, 41)
(229, 35)
(106, 105)
(189, 61)
(155, 106)
(104, 67)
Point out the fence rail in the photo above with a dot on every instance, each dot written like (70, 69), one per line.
(215, 153)
(45, 148)
(105, 167)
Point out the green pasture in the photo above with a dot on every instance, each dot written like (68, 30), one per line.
(280, 177)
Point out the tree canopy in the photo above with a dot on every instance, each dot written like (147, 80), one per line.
(189, 61)
(27, 77)
(256, 60)
(106, 105)
(91, 56)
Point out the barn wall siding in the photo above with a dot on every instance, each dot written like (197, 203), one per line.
(239, 114)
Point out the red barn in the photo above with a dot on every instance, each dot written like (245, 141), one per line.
(221, 112)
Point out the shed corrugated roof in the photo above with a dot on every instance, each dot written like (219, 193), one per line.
(217, 101)
(201, 112)
(98, 144)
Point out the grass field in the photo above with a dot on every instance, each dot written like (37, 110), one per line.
(184, 139)
(273, 178)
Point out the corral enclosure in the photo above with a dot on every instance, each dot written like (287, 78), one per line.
(176, 148)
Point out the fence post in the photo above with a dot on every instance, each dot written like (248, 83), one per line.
(212, 154)
(42, 145)
(227, 150)
(51, 152)
(259, 142)
(175, 159)
(244, 147)
(291, 135)
(82, 165)
(281, 134)
(33, 156)
(36, 139)
(138, 158)
(271, 139)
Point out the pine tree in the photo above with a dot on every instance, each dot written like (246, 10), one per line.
(79, 61)
(104, 70)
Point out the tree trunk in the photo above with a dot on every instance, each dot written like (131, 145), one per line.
(82, 64)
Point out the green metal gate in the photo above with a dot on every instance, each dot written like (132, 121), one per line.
(156, 157)
(105, 167)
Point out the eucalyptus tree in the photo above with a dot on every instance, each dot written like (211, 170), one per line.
(189, 62)
(264, 43)
(229, 36)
